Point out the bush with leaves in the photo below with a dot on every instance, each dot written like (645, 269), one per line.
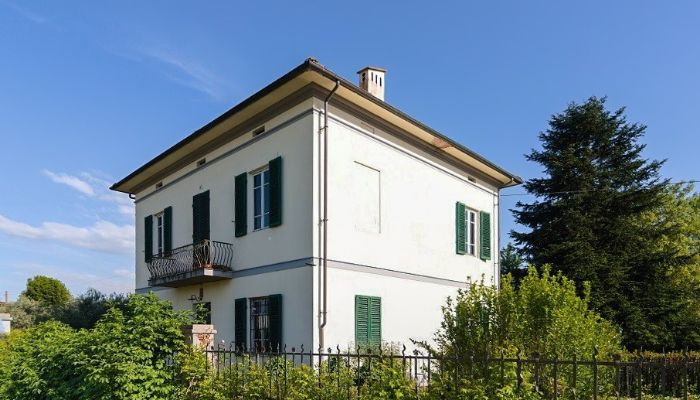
(543, 318)
(125, 357)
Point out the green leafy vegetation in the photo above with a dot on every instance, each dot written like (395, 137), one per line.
(598, 218)
(125, 356)
(47, 291)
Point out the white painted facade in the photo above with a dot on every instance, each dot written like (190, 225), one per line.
(391, 227)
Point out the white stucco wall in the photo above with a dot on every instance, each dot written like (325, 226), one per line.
(407, 227)
(263, 247)
(417, 207)
(411, 309)
(295, 286)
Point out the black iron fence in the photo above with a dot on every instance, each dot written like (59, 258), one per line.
(192, 257)
(356, 372)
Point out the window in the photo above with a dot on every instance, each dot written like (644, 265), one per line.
(259, 323)
(471, 232)
(160, 234)
(261, 200)
(368, 321)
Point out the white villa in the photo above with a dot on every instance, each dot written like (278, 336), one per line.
(315, 213)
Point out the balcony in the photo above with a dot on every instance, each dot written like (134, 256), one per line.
(204, 261)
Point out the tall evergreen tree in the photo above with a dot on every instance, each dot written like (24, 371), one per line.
(585, 219)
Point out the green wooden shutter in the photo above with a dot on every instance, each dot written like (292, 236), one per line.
(460, 229)
(485, 237)
(241, 206)
(200, 217)
(148, 238)
(275, 314)
(241, 322)
(168, 230)
(375, 321)
(275, 192)
(361, 320)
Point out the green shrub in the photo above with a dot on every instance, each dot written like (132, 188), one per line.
(126, 356)
(544, 317)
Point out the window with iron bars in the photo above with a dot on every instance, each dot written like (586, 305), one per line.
(259, 323)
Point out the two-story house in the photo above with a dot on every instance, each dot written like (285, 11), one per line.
(315, 213)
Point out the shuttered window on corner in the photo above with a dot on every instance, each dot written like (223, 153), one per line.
(241, 322)
(148, 238)
(241, 204)
(460, 228)
(275, 316)
(485, 235)
(275, 167)
(168, 230)
(368, 321)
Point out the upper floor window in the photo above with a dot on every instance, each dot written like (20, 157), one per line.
(261, 199)
(160, 234)
(470, 224)
(471, 232)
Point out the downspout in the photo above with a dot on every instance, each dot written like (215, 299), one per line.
(324, 261)
(497, 256)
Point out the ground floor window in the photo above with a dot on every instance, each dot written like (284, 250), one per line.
(260, 323)
(368, 321)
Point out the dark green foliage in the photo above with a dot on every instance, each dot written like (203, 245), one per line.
(513, 263)
(48, 291)
(585, 220)
(81, 312)
(89, 307)
(123, 357)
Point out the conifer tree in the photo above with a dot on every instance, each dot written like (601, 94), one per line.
(585, 220)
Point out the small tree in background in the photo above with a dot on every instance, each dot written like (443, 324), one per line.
(47, 290)
(513, 264)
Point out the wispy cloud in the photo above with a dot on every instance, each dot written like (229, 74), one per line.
(72, 181)
(30, 15)
(95, 187)
(183, 70)
(102, 236)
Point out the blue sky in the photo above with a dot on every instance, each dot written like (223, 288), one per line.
(89, 92)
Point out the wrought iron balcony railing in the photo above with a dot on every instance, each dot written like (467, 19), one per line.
(190, 261)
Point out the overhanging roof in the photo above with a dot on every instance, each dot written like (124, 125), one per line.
(310, 71)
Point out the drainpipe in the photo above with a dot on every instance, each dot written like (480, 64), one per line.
(324, 261)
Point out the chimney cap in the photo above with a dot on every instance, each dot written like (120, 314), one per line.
(372, 68)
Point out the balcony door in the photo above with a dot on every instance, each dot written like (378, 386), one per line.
(200, 229)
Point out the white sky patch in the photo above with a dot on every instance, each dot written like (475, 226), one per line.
(187, 72)
(102, 236)
(30, 15)
(72, 181)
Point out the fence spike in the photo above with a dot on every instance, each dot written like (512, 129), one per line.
(403, 350)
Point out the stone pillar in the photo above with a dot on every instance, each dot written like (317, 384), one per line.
(200, 335)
